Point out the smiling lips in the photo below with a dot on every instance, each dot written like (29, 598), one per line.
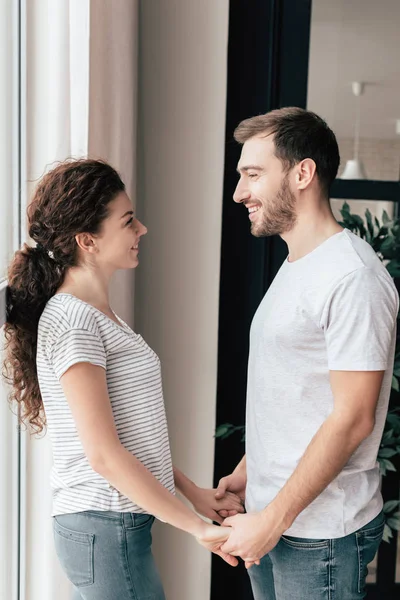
(253, 209)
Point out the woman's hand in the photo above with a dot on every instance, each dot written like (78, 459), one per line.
(205, 503)
(213, 537)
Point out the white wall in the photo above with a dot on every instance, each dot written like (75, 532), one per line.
(113, 109)
(81, 97)
(355, 41)
(182, 87)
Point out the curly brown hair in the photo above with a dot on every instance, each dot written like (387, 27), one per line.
(72, 198)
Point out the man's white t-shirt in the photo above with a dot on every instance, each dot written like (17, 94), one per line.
(335, 309)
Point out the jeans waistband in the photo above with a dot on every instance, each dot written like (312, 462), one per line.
(128, 519)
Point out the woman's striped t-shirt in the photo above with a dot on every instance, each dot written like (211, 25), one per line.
(72, 331)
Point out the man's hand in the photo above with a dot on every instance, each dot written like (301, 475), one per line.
(212, 538)
(235, 483)
(205, 503)
(254, 535)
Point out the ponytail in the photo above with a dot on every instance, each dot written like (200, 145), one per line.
(72, 198)
(33, 278)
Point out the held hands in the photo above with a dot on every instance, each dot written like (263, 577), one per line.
(234, 483)
(253, 535)
(207, 504)
(213, 537)
(249, 536)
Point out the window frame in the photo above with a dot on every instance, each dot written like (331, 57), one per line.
(14, 444)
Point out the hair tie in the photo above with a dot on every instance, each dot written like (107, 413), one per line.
(40, 248)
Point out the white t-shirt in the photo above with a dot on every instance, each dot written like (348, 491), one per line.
(72, 331)
(333, 309)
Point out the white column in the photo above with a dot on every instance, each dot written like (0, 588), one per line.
(113, 109)
(182, 86)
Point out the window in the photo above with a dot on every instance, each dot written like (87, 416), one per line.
(354, 85)
(10, 239)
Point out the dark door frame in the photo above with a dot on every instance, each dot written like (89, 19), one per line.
(268, 55)
(267, 68)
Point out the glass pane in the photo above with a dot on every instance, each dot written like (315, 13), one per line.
(397, 576)
(376, 208)
(8, 496)
(8, 135)
(358, 207)
(356, 42)
(9, 206)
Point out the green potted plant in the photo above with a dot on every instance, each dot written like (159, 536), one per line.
(385, 240)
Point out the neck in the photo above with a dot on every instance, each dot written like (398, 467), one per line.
(88, 284)
(315, 224)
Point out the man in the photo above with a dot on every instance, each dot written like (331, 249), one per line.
(319, 376)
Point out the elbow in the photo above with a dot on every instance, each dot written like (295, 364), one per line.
(101, 460)
(98, 462)
(365, 428)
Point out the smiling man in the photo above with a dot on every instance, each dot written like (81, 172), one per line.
(320, 367)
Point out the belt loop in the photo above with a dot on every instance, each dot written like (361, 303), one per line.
(127, 518)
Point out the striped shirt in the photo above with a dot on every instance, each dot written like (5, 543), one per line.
(72, 331)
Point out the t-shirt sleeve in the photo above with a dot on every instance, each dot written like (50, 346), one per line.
(360, 322)
(76, 346)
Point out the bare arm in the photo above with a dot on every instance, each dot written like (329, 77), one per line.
(235, 482)
(352, 420)
(85, 388)
(86, 391)
(204, 500)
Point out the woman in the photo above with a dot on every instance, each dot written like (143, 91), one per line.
(79, 369)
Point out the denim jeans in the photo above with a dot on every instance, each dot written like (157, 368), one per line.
(307, 569)
(107, 555)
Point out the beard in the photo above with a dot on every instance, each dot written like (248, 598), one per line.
(279, 215)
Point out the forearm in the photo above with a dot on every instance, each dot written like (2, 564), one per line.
(129, 476)
(184, 485)
(325, 457)
(241, 468)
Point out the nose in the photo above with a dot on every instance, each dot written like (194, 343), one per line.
(140, 228)
(241, 193)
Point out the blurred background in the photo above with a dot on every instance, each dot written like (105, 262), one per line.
(156, 87)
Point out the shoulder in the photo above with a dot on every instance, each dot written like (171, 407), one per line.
(63, 313)
(368, 293)
(348, 253)
(351, 261)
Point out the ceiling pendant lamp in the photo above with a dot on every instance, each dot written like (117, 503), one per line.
(354, 168)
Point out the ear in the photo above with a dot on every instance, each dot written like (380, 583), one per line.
(305, 172)
(86, 242)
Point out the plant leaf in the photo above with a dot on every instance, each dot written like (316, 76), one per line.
(394, 523)
(389, 506)
(222, 430)
(387, 452)
(388, 435)
(387, 533)
(388, 464)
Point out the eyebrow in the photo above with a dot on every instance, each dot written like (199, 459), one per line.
(249, 168)
(129, 212)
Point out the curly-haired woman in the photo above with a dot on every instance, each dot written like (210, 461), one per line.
(78, 369)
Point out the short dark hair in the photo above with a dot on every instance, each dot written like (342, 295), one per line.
(298, 134)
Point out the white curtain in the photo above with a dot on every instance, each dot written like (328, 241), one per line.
(81, 100)
(9, 239)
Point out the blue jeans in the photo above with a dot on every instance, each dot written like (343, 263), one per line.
(107, 555)
(307, 569)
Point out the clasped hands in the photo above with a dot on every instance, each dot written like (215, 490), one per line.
(248, 536)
